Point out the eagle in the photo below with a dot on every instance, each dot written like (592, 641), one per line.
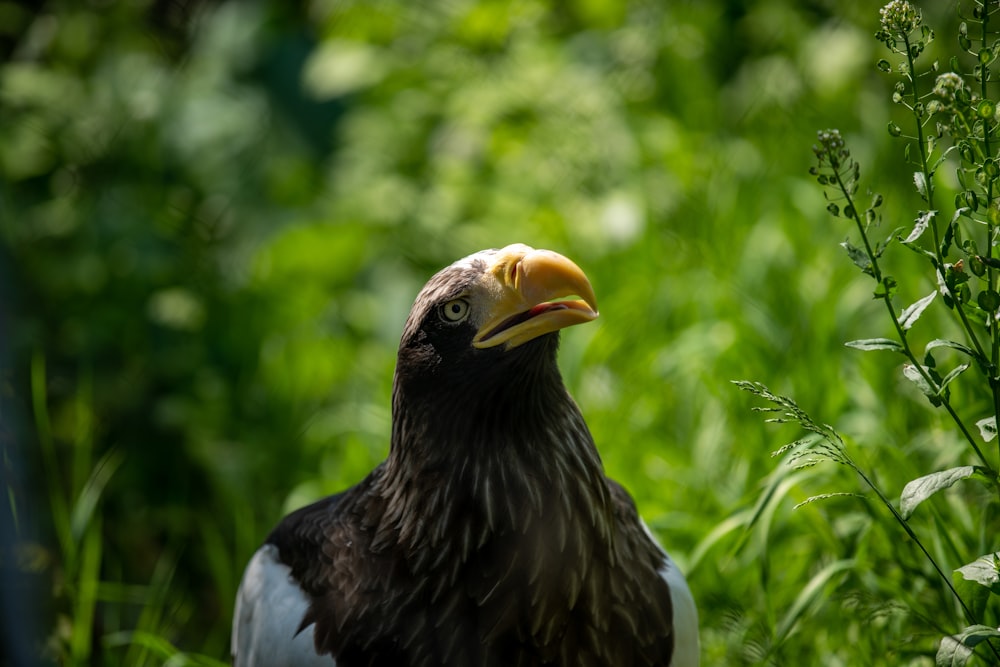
(490, 536)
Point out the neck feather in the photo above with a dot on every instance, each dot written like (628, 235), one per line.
(489, 459)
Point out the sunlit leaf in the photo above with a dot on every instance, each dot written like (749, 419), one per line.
(987, 428)
(913, 374)
(921, 224)
(941, 342)
(956, 650)
(922, 488)
(984, 571)
(875, 344)
(952, 653)
(912, 313)
(920, 181)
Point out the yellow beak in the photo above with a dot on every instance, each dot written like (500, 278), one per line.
(525, 284)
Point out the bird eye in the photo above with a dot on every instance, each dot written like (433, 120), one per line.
(455, 310)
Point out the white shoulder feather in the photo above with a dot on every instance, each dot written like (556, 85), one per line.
(687, 647)
(269, 609)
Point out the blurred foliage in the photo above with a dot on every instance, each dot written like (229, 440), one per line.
(214, 217)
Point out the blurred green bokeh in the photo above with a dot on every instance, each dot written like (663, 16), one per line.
(215, 215)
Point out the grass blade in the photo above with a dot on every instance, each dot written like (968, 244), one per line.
(808, 597)
(87, 580)
(46, 443)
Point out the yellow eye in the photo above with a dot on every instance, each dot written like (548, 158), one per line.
(455, 310)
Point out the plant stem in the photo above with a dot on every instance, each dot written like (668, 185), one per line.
(969, 616)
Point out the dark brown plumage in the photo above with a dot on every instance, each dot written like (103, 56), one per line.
(490, 535)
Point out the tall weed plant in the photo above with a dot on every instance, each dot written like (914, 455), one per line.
(949, 124)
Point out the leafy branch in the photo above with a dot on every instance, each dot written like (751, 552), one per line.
(836, 168)
(971, 119)
(954, 122)
(824, 443)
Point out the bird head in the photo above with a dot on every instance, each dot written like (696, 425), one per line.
(487, 325)
(481, 309)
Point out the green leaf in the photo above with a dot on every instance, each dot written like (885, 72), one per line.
(920, 181)
(921, 251)
(922, 488)
(886, 288)
(922, 222)
(975, 634)
(868, 344)
(954, 278)
(956, 650)
(912, 313)
(975, 595)
(987, 428)
(983, 571)
(958, 370)
(913, 374)
(986, 476)
(858, 256)
(951, 653)
(941, 342)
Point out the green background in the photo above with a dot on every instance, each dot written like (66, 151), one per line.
(215, 216)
